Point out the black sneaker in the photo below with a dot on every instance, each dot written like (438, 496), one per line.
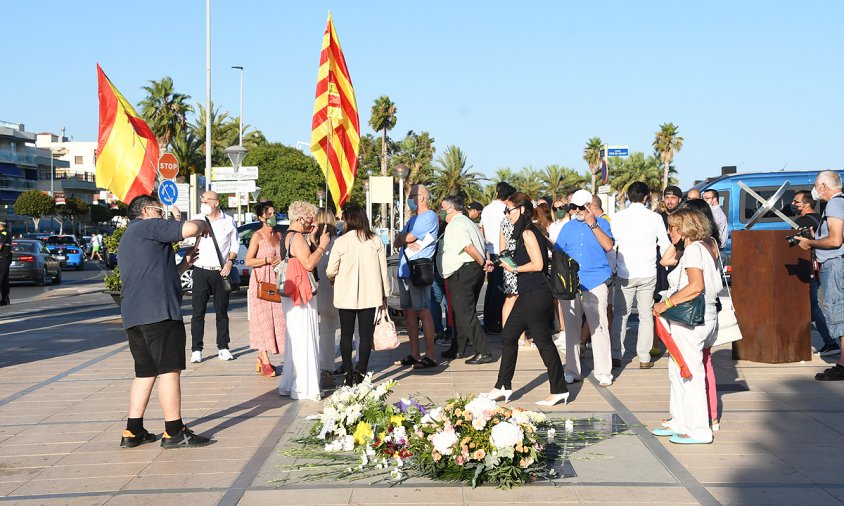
(829, 349)
(185, 438)
(130, 440)
(834, 373)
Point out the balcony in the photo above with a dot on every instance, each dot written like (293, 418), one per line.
(85, 182)
(14, 184)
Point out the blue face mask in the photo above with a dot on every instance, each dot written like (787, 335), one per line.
(411, 203)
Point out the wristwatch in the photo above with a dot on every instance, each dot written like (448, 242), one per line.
(594, 225)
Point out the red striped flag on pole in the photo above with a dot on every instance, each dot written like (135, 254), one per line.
(335, 129)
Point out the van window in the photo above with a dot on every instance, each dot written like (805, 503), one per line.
(723, 199)
(749, 205)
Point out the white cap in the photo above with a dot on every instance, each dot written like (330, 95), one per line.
(581, 198)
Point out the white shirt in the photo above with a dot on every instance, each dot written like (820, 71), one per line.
(721, 221)
(638, 231)
(491, 218)
(554, 228)
(225, 231)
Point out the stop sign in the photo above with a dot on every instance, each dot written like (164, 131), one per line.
(168, 166)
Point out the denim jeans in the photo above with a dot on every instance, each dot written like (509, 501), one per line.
(817, 314)
(832, 284)
(437, 298)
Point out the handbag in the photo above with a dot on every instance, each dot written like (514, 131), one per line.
(228, 285)
(728, 327)
(689, 313)
(268, 291)
(421, 270)
(385, 336)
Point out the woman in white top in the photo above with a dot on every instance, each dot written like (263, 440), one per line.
(357, 267)
(329, 319)
(696, 274)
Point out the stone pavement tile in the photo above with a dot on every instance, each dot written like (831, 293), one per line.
(720, 448)
(836, 492)
(620, 459)
(325, 496)
(187, 479)
(764, 460)
(32, 450)
(834, 421)
(72, 486)
(116, 455)
(7, 487)
(529, 494)
(87, 500)
(408, 495)
(20, 417)
(11, 430)
(779, 495)
(206, 454)
(633, 494)
(742, 475)
(52, 438)
(174, 498)
(196, 467)
(59, 472)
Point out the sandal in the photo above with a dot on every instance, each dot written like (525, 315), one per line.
(425, 363)
(408, 360)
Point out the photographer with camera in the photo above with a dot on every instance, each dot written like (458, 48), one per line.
(828, 247)
(803, 205)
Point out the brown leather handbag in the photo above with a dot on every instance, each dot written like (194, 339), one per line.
(269, 291)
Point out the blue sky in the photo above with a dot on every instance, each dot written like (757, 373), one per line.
(754, 84)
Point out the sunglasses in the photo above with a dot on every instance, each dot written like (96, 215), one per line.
(576, 207)
(508, 210)
(559, 208)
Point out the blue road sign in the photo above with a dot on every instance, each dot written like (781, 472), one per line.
(168, 192)
(617, 152)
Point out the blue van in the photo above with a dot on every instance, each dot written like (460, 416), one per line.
(739, 206)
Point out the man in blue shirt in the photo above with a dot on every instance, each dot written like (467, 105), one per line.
(829, 251)
(418, 240)
(152, 317)
(587, 240)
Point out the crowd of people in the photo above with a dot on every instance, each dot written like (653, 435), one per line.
(655, 256)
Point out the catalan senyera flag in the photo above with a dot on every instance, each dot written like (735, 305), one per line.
(127, 151)
(335, 129)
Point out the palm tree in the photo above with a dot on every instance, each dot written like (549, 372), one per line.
(164, 110)
(490, 194)
(552, 178)
(416, 151)
(453, 177)
(571, 180)
(221, 132)
(634, 168)
(529, 181)
(251, 137)
(504, 174)
(383, 118)
(593, 153)
(667, 142)
(187, 149)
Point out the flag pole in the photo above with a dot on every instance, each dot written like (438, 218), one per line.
(328, 167)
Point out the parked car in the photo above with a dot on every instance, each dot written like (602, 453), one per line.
(32, 261)
(37, 236)
(739, 206)
(67, 250)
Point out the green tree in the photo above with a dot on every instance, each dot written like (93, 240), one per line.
(221, 131)
(504, 174)
(528, 180)
(571, 180)
(592, 153)
(34, 204)
(165, 110)
(667, 142)
(552, 179)
(382, 119)
(286, 174)
(100, 214)
(416, 151)
(452, 176)
(72, 210)
(188, 150)
(251, 136)
(637, 167)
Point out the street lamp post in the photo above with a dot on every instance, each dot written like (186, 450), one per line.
(401, 171)
(240, 142)
(236, 154)
(320, 195)
(368, 204)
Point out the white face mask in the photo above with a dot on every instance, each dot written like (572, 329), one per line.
(205, 209)
(815, 194)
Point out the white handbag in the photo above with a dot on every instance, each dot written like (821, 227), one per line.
(385, 336)
(728, 327)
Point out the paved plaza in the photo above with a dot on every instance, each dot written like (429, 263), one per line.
(65, 371)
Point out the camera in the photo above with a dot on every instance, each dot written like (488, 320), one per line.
(801, 232)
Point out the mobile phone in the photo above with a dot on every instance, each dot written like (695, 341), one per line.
(509, 261)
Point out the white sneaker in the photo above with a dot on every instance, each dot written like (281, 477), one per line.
(196, 357)
(225, 354)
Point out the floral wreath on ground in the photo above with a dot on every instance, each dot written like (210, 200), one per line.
(471, 439)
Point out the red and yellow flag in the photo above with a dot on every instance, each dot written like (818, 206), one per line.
(127, 151)
(335, 135)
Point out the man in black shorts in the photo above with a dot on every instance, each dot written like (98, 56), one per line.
(152, 318)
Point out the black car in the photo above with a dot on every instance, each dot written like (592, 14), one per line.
(32, 261)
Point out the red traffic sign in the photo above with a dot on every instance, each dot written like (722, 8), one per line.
(168, 166)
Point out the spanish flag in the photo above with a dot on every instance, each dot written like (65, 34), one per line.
(335, 129)
(127, 151)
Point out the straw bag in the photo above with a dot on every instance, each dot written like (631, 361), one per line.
(385, 336)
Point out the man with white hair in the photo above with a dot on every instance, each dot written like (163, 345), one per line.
(828, 248)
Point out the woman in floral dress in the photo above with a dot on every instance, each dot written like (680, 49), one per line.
(266, 319)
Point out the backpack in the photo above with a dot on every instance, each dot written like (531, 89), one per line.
(563, 277)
